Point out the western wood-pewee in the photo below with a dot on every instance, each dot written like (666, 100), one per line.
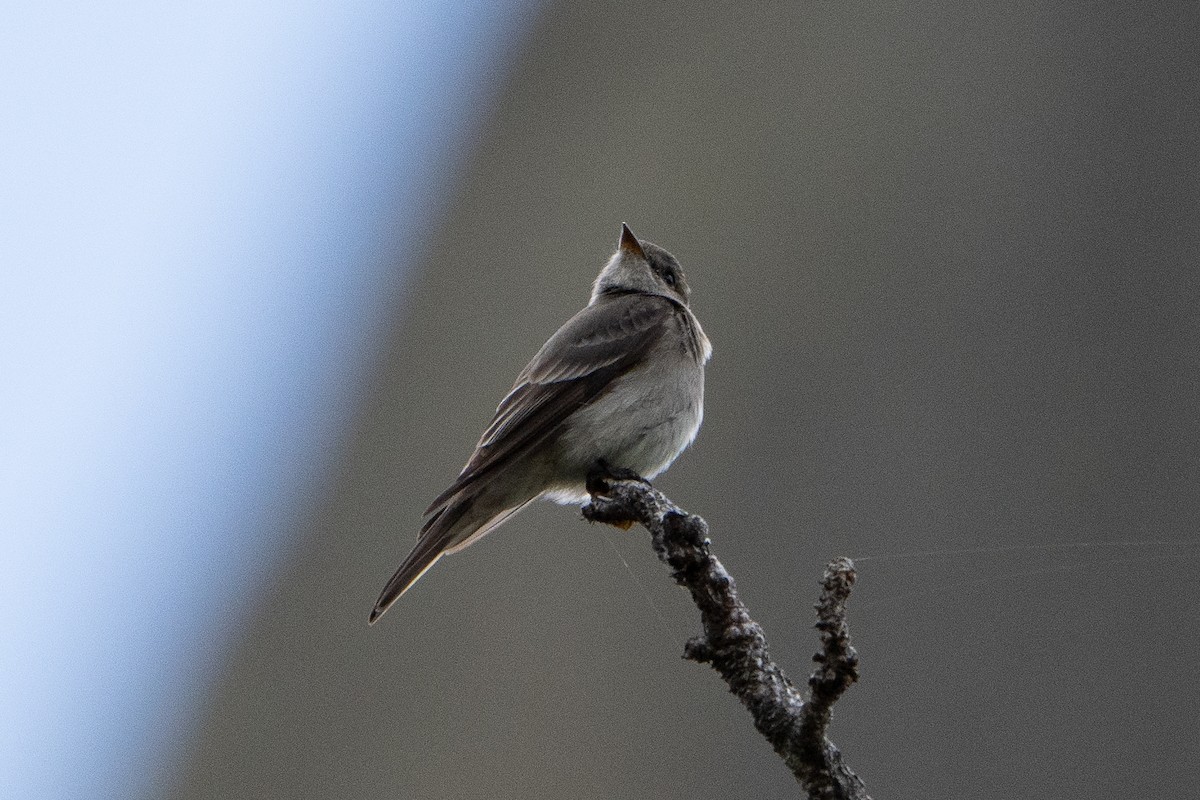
(619, 388)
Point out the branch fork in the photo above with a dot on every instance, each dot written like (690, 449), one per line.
(734, 645)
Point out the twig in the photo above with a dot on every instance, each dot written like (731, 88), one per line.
(734, 644)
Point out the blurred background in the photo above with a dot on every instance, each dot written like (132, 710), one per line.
(267, 270)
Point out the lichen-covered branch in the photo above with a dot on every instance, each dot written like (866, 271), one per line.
(734, 644)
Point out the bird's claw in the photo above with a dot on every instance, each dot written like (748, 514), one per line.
(602, 472)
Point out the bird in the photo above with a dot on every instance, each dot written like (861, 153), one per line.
(618, 388)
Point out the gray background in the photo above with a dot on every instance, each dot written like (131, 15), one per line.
(947, 257)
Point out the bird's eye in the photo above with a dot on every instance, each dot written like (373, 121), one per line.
(669, 277)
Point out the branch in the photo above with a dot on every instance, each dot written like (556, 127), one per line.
(734, 644)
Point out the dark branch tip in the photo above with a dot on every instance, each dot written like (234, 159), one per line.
(698, 649)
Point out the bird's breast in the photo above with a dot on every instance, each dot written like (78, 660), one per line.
(645, 419)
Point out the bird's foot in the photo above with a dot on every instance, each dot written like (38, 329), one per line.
(602, 472)
(598, 480)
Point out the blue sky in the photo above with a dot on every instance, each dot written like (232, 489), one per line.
(200, 211)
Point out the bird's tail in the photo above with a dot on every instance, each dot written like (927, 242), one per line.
(460, 522)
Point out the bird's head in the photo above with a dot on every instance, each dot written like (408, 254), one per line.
(642, 267)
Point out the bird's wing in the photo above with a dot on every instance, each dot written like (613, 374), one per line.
(571, 370)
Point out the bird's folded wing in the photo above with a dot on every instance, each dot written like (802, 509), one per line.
(572, 369)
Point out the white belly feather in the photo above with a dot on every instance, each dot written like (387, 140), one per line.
(642, 423)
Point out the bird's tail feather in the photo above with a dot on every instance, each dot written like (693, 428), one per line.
(443, 533)
(434, 538)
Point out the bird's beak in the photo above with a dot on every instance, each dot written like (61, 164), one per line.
(629, 243)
